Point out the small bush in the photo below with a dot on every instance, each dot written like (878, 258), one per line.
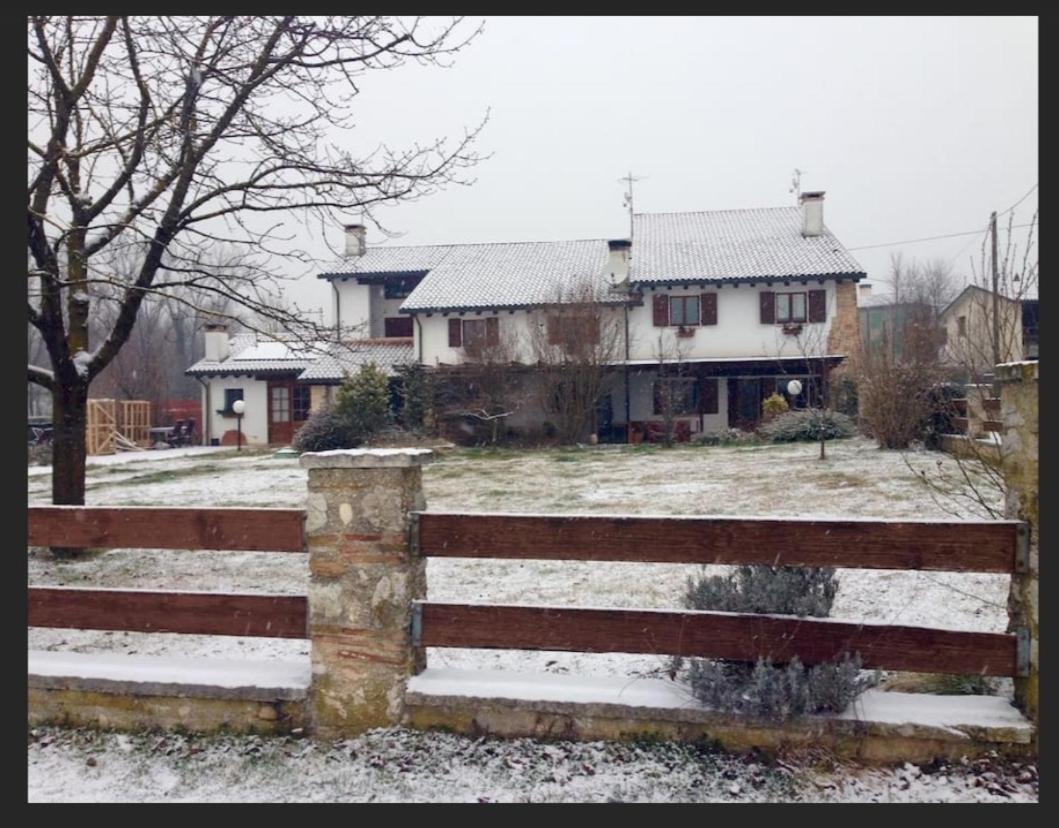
(806, 424)
(725, 437)
(760, 688)
(778, 692)
(785, 590)
(364, 401)
(325, 430)
(774, 405)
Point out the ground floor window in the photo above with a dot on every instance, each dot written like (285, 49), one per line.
(679, 394)
(302, 401)
(230, 397)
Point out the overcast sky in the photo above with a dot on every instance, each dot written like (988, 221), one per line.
(913, 126)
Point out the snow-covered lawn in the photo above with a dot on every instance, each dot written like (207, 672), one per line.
(855, 480)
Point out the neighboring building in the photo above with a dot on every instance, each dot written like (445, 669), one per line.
(742, 300)
(890, 324)
(968, 332)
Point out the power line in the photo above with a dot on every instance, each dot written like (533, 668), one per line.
(928, 238)
(1017, 203)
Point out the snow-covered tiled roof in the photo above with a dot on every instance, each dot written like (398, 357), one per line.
(248, 356)
(733, 244)
(348, 357)
(502, 274)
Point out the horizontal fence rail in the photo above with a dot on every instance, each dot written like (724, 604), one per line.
(106, 527)
(714, 635)
(957, 546)
(201, 613)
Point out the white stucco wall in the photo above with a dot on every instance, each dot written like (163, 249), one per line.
(739, 331)
(354, 307)
(255, 420)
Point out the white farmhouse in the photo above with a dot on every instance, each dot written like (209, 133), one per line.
(742, 300)
(719, 309)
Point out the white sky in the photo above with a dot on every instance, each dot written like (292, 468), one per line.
(913, 126)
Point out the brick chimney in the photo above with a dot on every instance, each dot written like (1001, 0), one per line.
(216, 343)
(356, 239)
(812, 213)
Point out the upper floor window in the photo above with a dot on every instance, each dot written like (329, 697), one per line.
(790, 307)
(683, 310)
(961, 325)
(474, 333)
(399, 288)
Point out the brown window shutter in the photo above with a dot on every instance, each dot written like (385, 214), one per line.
(492, 331)
(708, 309)
(768, 307)
(818, 306)
(455, 333)
(709, 396)
(661, 310)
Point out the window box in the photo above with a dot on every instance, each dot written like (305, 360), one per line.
(685, 332)
(792, 328)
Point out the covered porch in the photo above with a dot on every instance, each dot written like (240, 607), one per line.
(704, 396)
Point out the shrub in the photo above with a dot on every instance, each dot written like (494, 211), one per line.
(786, 590)
(325, 430)
(761, 688)
(418, 398)
(364, 402)
(774, 405)
(725, 437)
(806, 424)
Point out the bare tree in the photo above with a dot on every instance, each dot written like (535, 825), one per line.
(576, 346)
(489, 387)
(674, 392)
(181, 133)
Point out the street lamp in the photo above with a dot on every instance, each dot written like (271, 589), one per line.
(794, 388)
(239, 407)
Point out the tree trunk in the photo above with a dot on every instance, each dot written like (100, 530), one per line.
(69, 422)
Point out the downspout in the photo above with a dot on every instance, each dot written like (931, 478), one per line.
(628, 413)
(338, 312)
(419, 325)
(206, 419)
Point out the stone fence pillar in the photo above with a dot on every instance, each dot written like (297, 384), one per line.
(1020, 465)
(364, 575)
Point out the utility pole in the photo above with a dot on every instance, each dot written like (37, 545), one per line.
(996, 295)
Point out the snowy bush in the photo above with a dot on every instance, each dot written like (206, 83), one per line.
(364, 402)
(325, 430)
(806, 424)
(774, 405)
(763, 689)
(785, 590)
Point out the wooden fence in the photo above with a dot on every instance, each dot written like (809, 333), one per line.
(963, 546)
(202, 613)
(959, 546)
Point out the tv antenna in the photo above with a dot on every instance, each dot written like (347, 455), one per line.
(796, 184)
(627, 200)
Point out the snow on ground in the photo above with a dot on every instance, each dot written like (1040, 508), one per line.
(399, 765)
(139, 456)
(855, 480)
